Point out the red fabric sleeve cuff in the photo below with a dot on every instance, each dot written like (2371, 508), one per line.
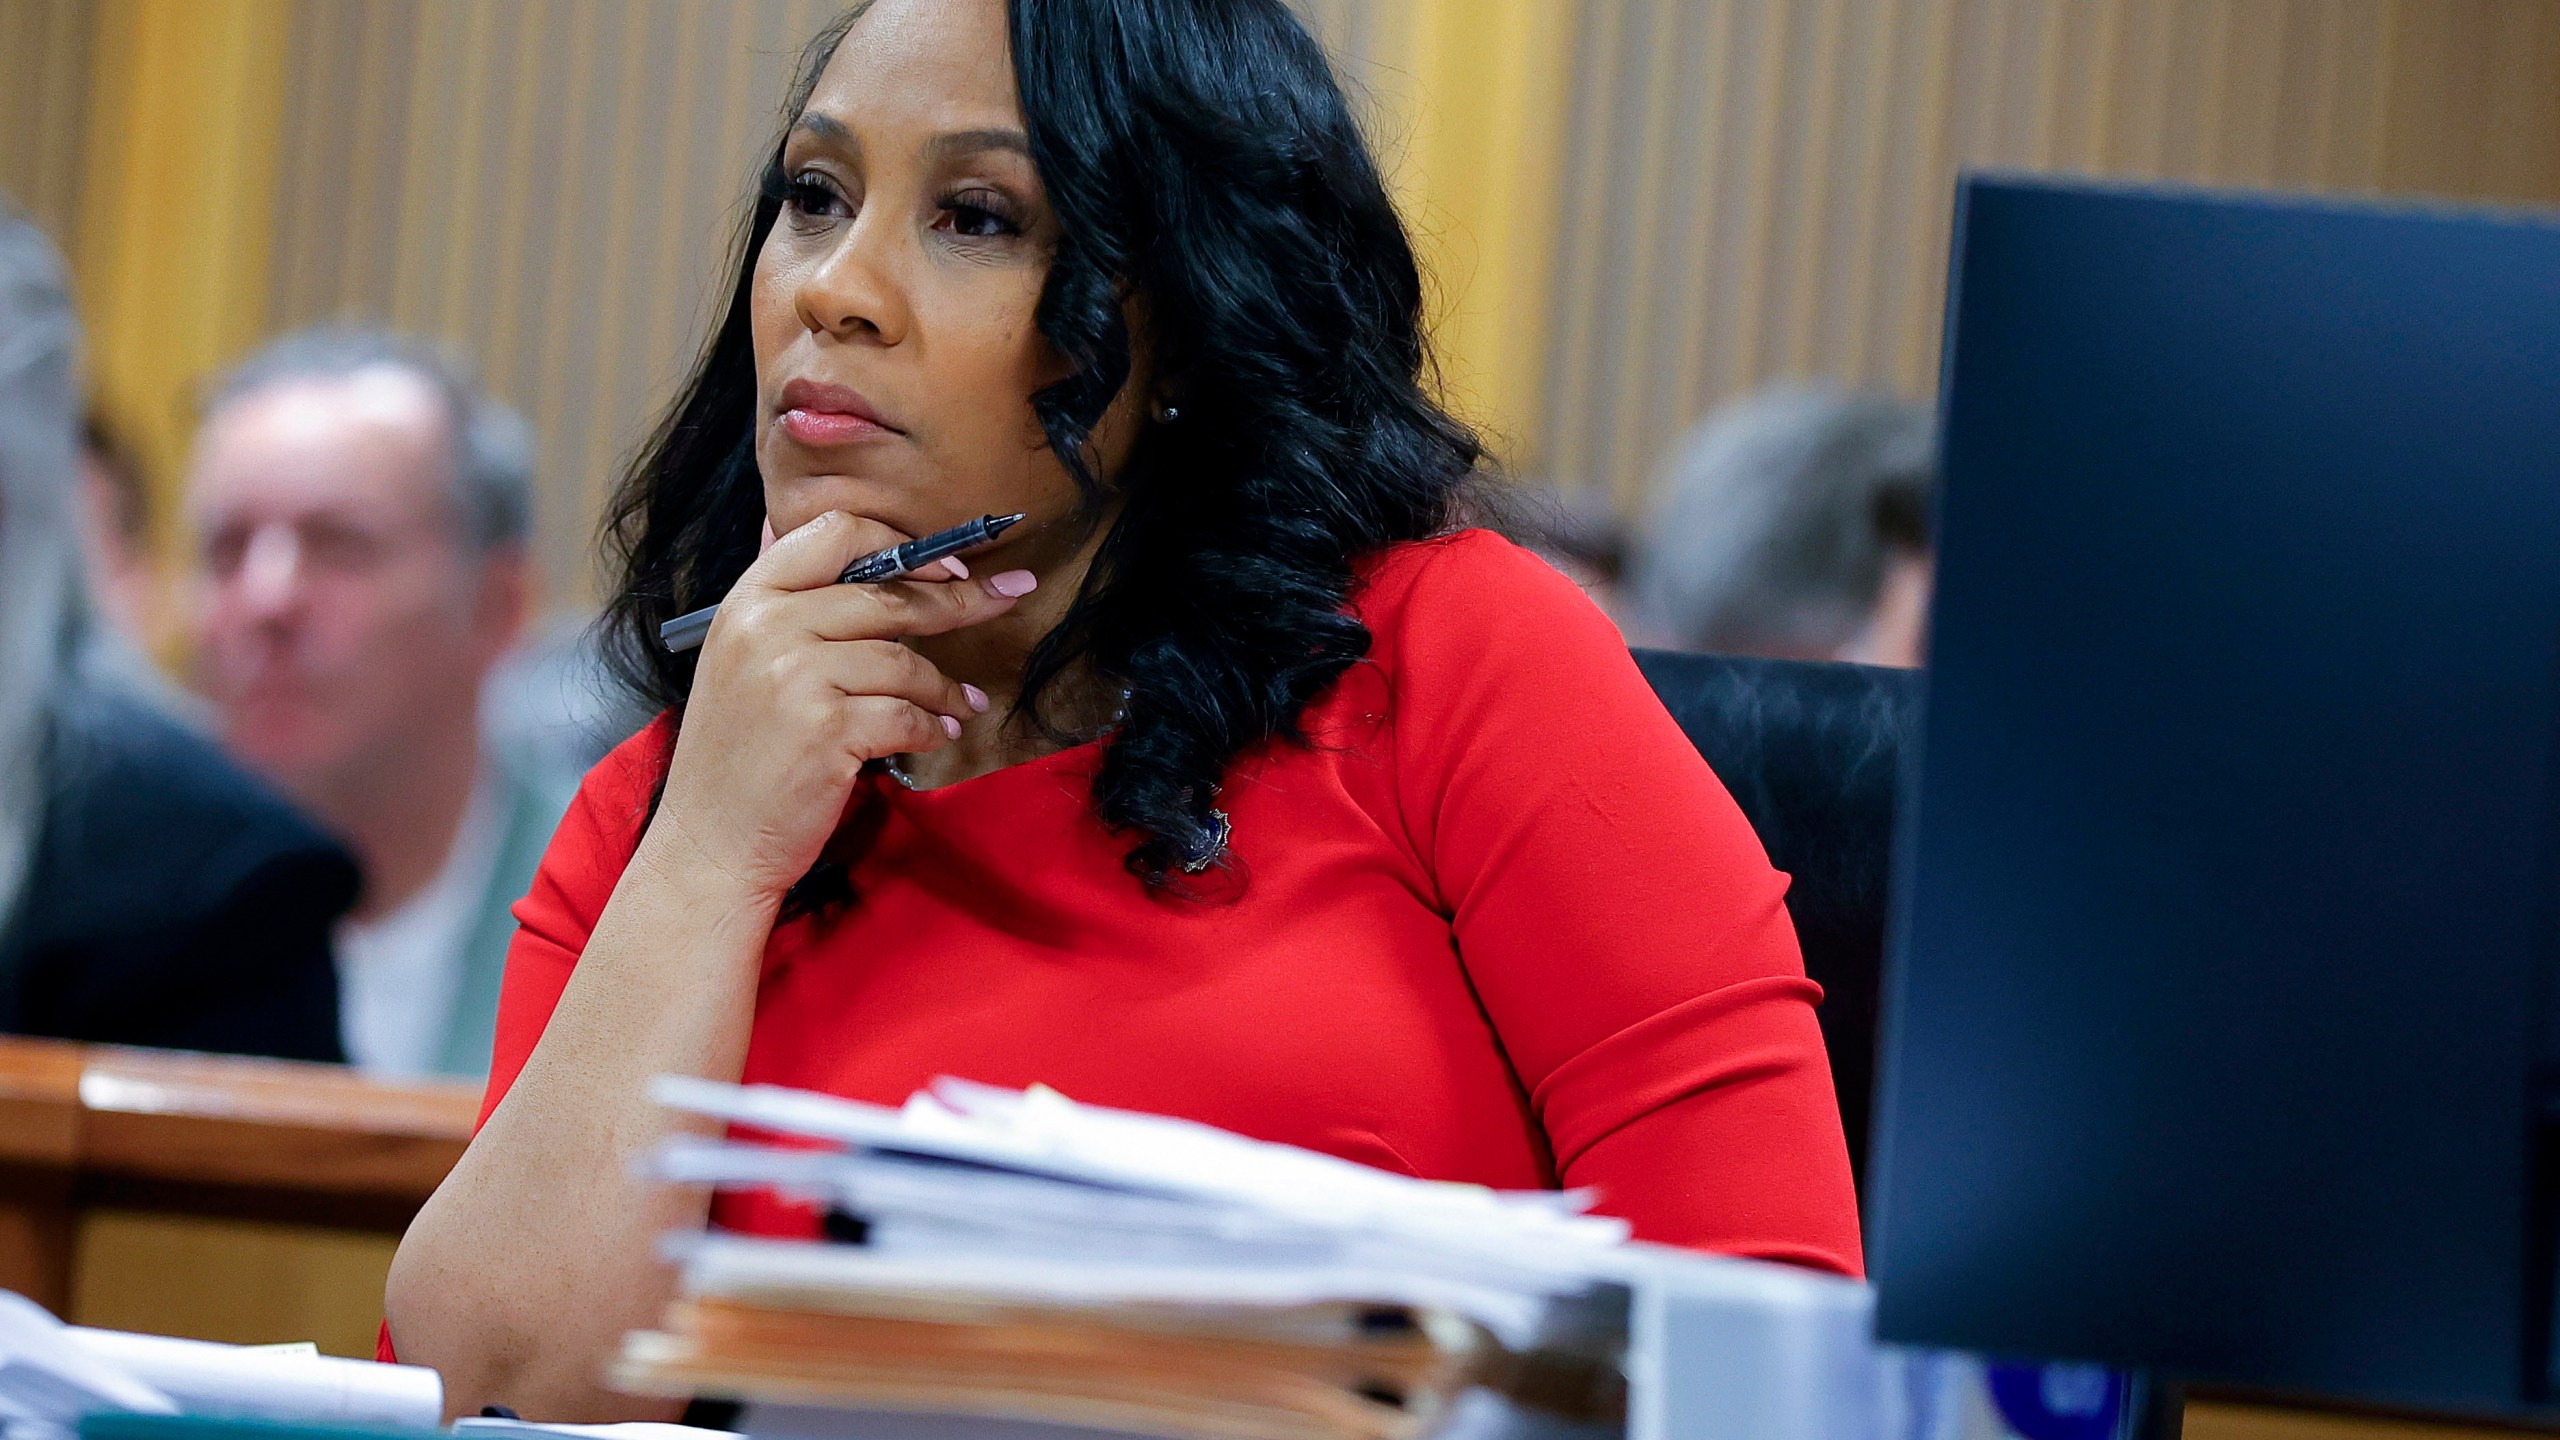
(1736, 1035)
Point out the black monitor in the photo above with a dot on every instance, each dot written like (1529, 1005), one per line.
(2218, 1031)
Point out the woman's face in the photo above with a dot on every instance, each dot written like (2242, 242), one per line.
(893, 301)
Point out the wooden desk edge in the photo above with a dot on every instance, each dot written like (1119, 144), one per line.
(232, 1120)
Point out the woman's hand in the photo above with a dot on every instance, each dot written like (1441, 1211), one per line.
(538, 1253)
(801, 681)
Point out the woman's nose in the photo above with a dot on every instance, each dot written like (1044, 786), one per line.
(271, 569)
(855, 290)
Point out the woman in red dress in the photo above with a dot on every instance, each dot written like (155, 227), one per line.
(1239, 782)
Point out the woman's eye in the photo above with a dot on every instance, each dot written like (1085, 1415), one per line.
(812, 198)
(976, 222)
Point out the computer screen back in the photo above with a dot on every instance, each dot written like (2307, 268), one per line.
(2226, 873)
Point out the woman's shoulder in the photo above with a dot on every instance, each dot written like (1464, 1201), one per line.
(637, 762)
(1472, 587)
(595, 840)
(1476, 641)
(617, 792)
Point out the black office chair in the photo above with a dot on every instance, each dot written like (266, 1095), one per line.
(1813, 753)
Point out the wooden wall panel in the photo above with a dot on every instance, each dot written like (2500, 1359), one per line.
(45, 59)
(548, 186)
(1758, 190)
(1721, 192)
(179, 159)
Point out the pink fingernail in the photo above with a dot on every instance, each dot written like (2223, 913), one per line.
(1013, 584)
(952, 564)
(977, 697)
(950, 726)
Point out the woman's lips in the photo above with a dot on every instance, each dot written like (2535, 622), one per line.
(824, 428)
(818, 414)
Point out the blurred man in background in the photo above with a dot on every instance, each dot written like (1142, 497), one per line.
(1791, 524)
(151, 893)
(362, 510)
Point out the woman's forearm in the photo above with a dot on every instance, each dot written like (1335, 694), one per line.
(522, 1273)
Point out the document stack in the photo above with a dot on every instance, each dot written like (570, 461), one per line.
(1007, 1261)
(56, 1379)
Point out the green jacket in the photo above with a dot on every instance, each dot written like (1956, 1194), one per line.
(533, 805)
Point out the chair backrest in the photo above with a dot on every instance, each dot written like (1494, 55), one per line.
(1813, 754)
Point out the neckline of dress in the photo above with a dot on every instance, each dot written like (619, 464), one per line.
(891, 783)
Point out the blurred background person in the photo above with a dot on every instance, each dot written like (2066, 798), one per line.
(127, 591)
(551, 707)
(115, 514)
(1792, 524)
(150, 892)
(361, 508)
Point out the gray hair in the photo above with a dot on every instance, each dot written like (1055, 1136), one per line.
(490, 444)
(1775, 521)
(39, 542)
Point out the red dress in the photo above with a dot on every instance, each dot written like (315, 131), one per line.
(1499, 924)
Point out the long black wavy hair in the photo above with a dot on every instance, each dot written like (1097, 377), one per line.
(1199, 157)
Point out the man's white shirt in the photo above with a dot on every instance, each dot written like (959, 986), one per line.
(397, 974)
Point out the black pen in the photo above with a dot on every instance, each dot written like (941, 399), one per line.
(686, 631)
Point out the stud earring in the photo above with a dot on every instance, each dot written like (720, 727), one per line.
(1167, 414)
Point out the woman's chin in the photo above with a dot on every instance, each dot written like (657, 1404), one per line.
(795, 502)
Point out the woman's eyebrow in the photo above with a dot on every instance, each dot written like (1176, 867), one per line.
(966, 142)
(825, 127)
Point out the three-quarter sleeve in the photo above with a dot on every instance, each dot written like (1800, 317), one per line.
(593, 844)
(1615, 913)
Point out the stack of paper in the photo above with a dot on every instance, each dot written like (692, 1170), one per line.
(1017, 1257)
(48, 1380)
(53, 1376)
